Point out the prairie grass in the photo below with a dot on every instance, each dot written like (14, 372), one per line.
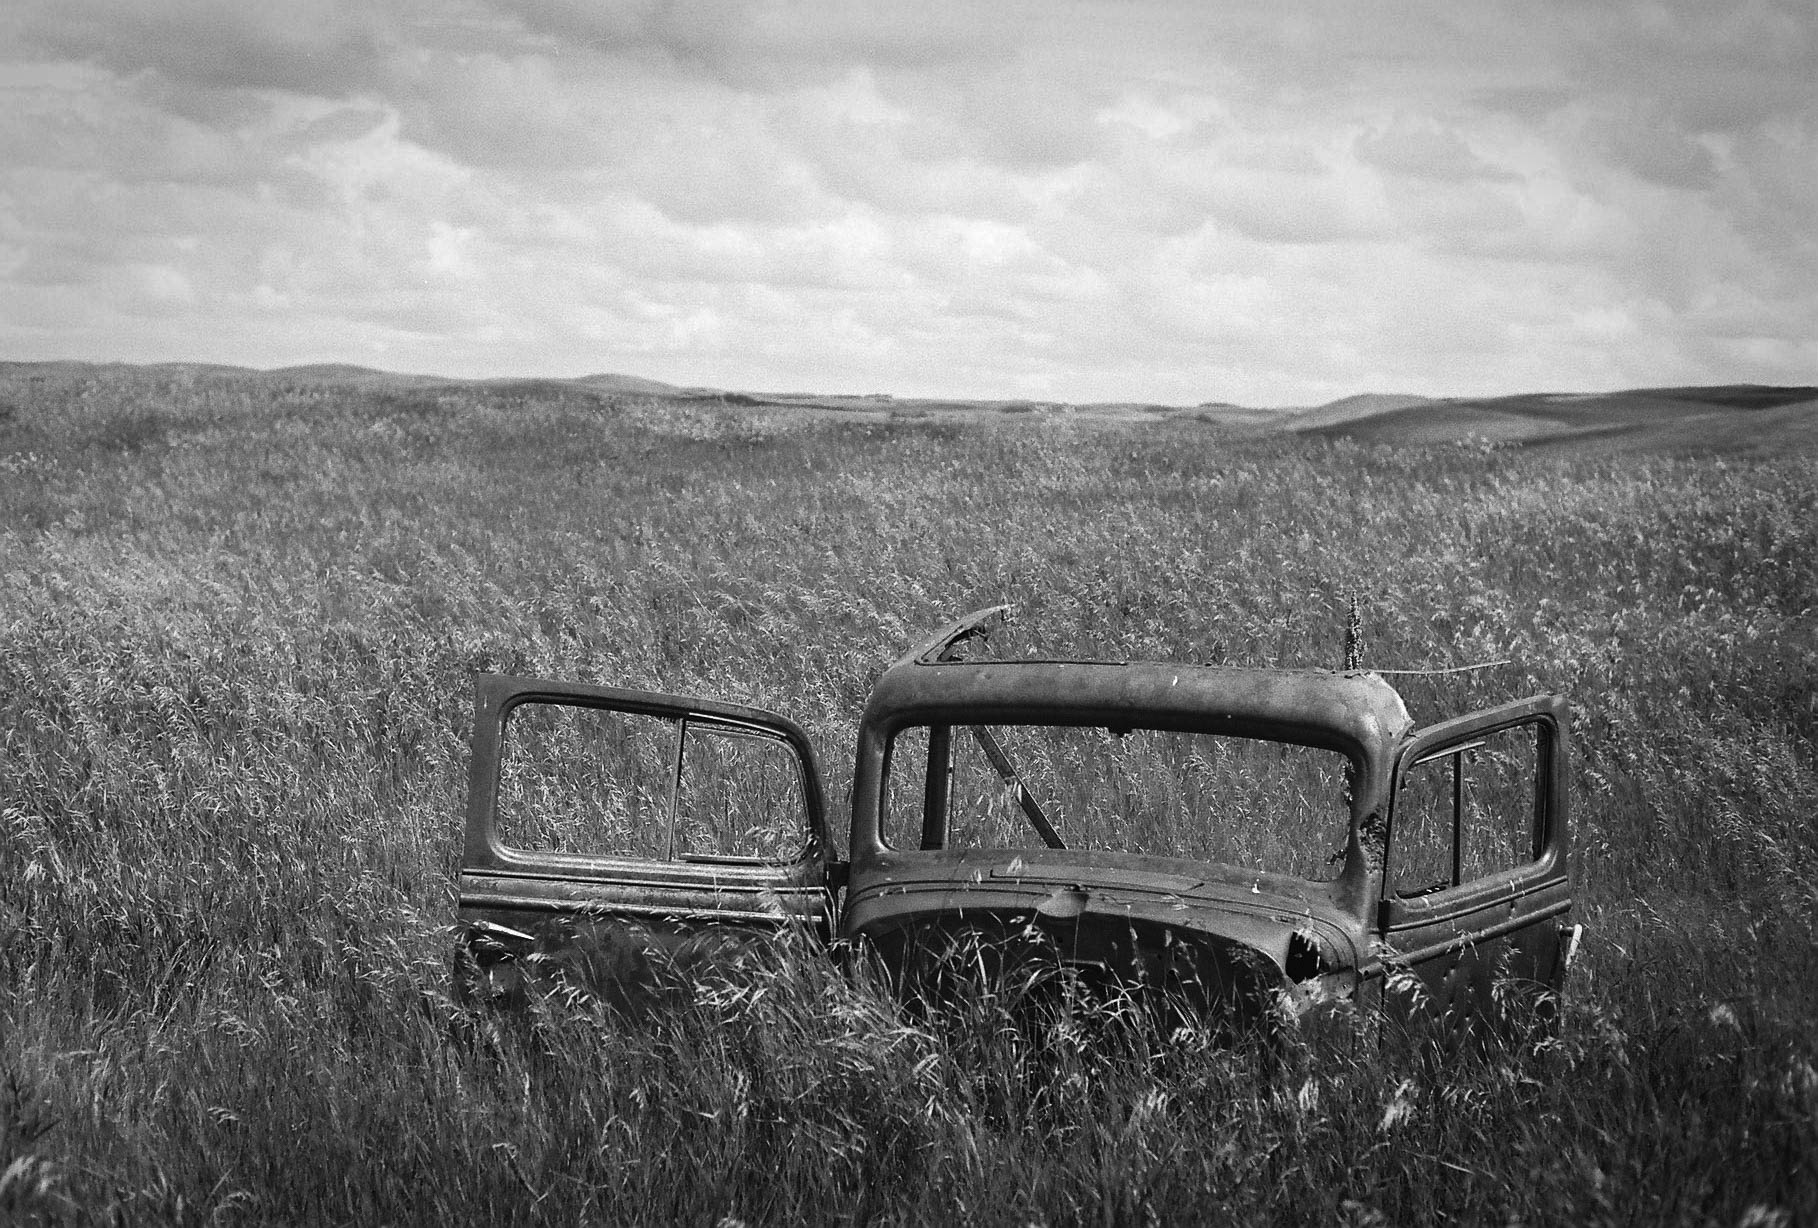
(239, 617)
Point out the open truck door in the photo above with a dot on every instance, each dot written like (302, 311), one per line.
(1475, 885)
(612, 831)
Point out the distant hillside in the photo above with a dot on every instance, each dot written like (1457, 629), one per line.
(607, 382)
(1730, 418)
(345, 374)
(1349, 409)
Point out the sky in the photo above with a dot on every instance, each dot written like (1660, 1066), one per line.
(1143, 200)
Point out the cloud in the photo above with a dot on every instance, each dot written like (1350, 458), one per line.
(1031, 113)
(1715, 68)
(1651, 145)
(768, 43)
(324, 47)
(1422, 148)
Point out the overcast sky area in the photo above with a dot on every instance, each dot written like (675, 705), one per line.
(1174, 202)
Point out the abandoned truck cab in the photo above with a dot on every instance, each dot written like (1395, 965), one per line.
(1225, 834)
(1250, 841)
(1211, 831)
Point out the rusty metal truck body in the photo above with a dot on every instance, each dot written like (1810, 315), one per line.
(1442, 850)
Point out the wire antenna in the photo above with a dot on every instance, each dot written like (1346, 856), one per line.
(1453, 669)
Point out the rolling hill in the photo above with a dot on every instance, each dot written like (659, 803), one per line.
(1729, 418)
(1732, 418)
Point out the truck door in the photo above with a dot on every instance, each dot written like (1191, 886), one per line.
(613, 832)
(1475, 884)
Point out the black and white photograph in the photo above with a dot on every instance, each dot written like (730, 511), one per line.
(771, 612)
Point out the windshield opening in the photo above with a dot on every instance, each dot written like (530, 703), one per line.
(1272, 806)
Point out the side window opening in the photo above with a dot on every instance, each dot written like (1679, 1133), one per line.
(1467, 811)
(739, 794)
(578, 779)
(915, 789)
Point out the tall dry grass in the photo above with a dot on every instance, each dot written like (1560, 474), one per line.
(238, 620)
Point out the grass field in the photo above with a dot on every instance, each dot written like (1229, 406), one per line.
(239, 618)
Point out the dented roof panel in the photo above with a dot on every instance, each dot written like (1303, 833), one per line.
(1357, 713)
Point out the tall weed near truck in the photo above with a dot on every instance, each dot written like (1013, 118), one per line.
(240, 619)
